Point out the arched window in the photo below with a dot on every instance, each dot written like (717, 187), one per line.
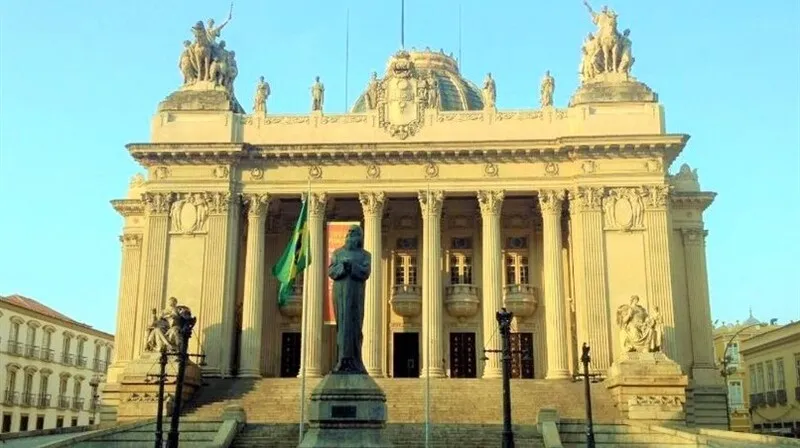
(31, 349)
(63, 399)
(27, 386)
(14, 345)
(66, 356)
(80, 358)
(46, 350)
(77, 400)
(10, 395)
(43, 399)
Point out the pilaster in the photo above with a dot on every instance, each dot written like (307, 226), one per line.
(659, 268)
(154, 252)
(128, 284)
(491, 205)
(432, 343)
(372, 205)
(311, 358)
(253, 306)
(592, 312)
(550, 202)
(697, 289)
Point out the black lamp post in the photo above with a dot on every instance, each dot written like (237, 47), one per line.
(162, 378)
(504, 320)
(585, 360)
(186, 324)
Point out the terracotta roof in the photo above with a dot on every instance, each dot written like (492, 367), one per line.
(37, 307)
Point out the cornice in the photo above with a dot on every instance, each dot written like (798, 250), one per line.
(692, 200)
(128, 207)
(570, 148)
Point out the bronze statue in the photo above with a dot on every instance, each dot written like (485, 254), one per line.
(349, 269)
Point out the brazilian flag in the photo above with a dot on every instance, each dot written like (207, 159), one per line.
(295, 258)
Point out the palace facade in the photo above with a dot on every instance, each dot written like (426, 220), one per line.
(561, 215)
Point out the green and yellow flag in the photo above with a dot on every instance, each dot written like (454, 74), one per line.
(295, 258)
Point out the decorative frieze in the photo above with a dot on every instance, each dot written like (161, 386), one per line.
(491, 201)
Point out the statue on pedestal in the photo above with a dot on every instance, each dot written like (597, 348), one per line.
(640, 332)
(489, 92)
(546, 89)
(317, 95)
(262, 93)
(206, 60)
(350, 268)
(164, 332)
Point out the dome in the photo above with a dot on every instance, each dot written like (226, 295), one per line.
(455, 92)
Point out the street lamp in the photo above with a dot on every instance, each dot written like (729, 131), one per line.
(585, 360)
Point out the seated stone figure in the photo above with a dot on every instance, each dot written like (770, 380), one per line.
(640, 332)
(163, 333)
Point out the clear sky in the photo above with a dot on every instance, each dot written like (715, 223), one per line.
(80, 79)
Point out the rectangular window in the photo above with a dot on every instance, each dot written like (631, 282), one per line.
(517, 272)
(736, 394)
(797, 367)
(60, 421)
(781, 376)
(405, 269)
(74, 421)
(13, 335)
(733, 352)
(751, 372)
(760, 378)
(770, 376)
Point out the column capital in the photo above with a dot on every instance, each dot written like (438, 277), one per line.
(156, 203)
(316, 203)
(585, 198)
(372, 203)
(694, 236)
(131, 240)
(550, 201)
(656, 196)
(431, 201)
(491, 201)
(219, 202)
(257, 204)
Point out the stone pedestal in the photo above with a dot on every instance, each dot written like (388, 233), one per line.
(613, 88)
(137, 395)
(346, 411)
(649, 387)
(203, 95)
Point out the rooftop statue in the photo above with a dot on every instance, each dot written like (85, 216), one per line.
(546, 89)
(372, 92)
(606, 51)
(262, 93)
(489, 92)
(317, 95)
(639, 331)
(205, 60)
(349, 269)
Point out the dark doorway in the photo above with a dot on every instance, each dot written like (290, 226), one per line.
(23, 423)
(522, 363)
(462, 355)
(406, 355)
(6, 423)
(290, 355)
(40, 422)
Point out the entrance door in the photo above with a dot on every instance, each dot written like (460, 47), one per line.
(462, 355)
(522, 355)
(290, 355)
(406, 355)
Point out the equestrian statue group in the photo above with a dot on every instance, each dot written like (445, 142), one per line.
(606, 51)
(205, 59)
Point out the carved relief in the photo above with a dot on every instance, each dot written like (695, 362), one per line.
(460, 116)
(188, 213)
(402, 97)
(588, 166)
(288, 119)
(551, 169)
(156, 202)
(257, 204)
(623, 209)
(653, 165)
(160, 172)
(585, 198)
(491, 201)
(550, 201)
(640, 331)
(317, 203)
(372, 203)
(373, 171)
(656, 400)
(131, 240)
(526, 115)
(221, 171)
(256, 174)
(314, 172)
(490, 170)
(349, 118)
(431, 170)
(431, 201)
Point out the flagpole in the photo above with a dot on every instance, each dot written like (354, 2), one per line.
(428, 341)
(303, 330)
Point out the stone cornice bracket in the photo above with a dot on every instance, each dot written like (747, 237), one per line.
(491, 201)
(551, 201)
(586, 199)
(692, 200)
(317, 203)
(150, 154)
(128, 207)
(694, 236)
(372, 203)
(219, 202)
(157, 203)
(431, 202)
(656, 197)
(257, 204)
(131, 240)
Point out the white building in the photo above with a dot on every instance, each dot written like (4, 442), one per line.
(50, 367)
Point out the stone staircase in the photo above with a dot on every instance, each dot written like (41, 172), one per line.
(192, 433)
(573, 435)
(453, 401)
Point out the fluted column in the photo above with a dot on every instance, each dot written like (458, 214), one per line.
(593, 320)
(373, 204)
(311, 360)
(697, 286)
(128, 284)
(432, 344)
(253, 306)
(153, 278)
(491, 205)
(550, 202)
(659, 269)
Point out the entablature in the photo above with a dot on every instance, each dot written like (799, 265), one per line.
(692, 200)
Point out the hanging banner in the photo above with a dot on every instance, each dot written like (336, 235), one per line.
(335, 233)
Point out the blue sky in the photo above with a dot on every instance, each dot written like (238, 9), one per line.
(80, 79)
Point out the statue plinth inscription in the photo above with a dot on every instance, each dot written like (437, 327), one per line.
(348, 408)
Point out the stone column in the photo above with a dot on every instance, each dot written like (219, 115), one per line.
(311, 360)
(253, 307)
(152, 280)
(372, 204)
(491, 205)
(217, 318)
(128, 283)
(659, 268)
(694, 242)
(551, 202)
(432, 344)
(592, 314)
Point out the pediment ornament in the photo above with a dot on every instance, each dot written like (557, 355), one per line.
(401, 97)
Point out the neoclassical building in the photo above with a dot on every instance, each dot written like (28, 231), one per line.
(559, 214)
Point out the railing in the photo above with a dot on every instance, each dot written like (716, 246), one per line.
(28, 399)
(80, 361)
(10, 397)
(63, 402)
(32, 351)
(46, 354)
(77, 404)
(99, 365)
(43, 401)
(67, 359)
(14, 348)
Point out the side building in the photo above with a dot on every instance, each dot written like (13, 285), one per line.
(51, 367)
(773, 367)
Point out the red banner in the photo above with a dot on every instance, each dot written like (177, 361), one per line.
(334, 239)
